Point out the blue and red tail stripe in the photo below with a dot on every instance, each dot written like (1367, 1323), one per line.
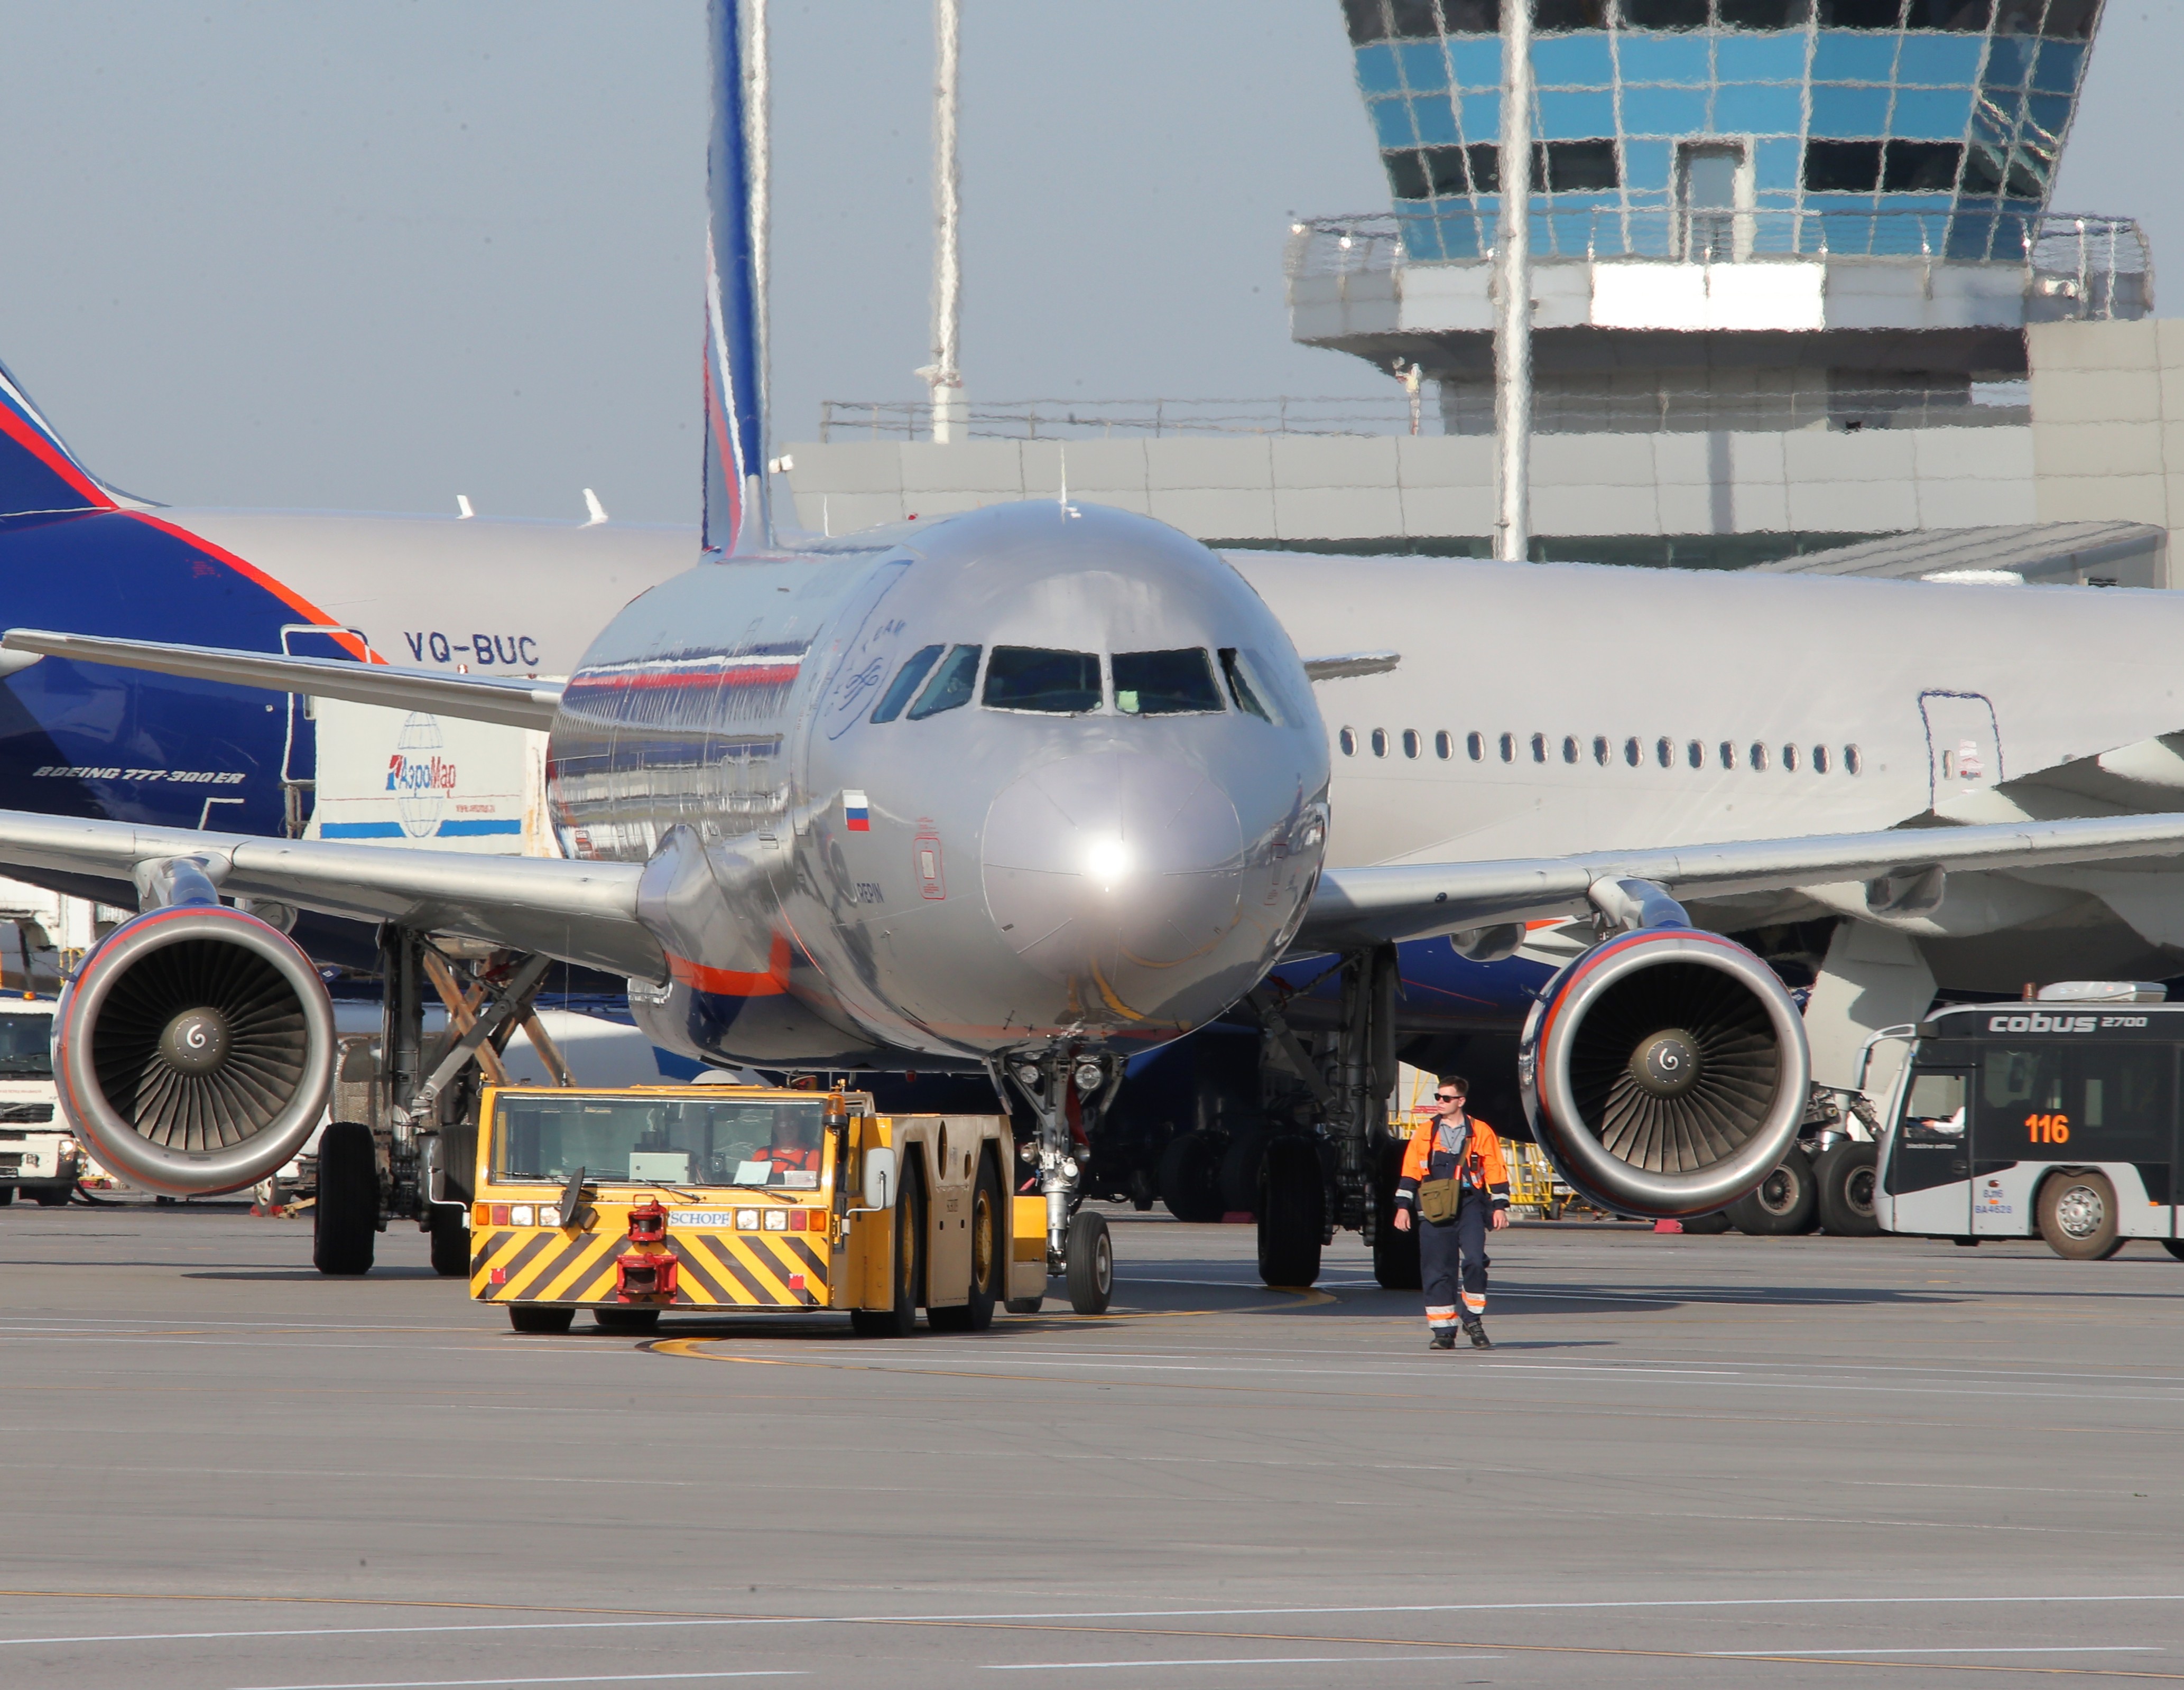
(735, 443)
(38, 474)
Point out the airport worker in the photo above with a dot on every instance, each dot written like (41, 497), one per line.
(795, 1141)
(1454, 1187)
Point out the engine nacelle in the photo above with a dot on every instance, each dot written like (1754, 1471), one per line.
(1665, 1073)
(193, 1050)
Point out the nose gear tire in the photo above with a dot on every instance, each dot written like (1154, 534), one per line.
(1091, 1257)
(1292, 1213)
(345, 1219)
(1844, 1179)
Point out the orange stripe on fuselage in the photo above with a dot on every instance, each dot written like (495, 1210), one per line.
(731, 982)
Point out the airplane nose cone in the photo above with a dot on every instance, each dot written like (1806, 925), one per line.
(1119, 873)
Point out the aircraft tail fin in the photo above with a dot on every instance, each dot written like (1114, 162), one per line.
(38, 473)
(736, 515)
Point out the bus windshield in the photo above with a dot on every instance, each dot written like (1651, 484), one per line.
(664, 1141)
(26, 1046)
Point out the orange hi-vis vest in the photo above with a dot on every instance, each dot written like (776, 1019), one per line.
(1483, 1170)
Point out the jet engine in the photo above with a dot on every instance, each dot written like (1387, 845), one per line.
(1664, 1072)
(194, 1049)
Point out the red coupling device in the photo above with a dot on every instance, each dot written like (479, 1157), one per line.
(648, 1224)
(645, 1279)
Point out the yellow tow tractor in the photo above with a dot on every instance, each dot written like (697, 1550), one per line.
(705, 1198)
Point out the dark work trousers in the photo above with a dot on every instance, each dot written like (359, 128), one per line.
(1452, 1255)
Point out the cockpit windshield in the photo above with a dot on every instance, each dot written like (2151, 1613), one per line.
(905, 682)
(1177, 683)
(669, 1142)
(950, 686)
(1033, 678)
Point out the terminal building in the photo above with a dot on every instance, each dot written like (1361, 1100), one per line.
(1797, 285)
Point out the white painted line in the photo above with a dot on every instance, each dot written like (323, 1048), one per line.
(2045, 1648)
(1240, 1660)
(583, 1678)
(606, 1623)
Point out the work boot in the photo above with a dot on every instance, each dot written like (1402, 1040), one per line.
(1444, 1338)
(1477, 1329)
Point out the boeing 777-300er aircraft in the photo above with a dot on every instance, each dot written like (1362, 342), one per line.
(1037, 787)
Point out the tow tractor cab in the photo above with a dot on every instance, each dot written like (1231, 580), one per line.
(2055, 1119)
(38, 1155)
(703, 1197)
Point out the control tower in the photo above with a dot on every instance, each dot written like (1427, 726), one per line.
(1748, 215)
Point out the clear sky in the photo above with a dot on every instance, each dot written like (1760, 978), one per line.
(370, 255)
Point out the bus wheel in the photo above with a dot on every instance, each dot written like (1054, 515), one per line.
(2077, 1216)
(1091, 1257)
(900, 1320)
(540, 1317)
(988, 1261)
(1781, 1204)
(51, 1197)
(619, 1320)
(1845, 1175)
(346, 1216)
(2174, 1246)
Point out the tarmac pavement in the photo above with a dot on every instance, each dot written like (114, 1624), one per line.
(1705, 1461)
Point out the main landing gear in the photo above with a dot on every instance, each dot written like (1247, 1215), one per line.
(1067, 1094)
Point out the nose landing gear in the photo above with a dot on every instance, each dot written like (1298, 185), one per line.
(1067, 1094)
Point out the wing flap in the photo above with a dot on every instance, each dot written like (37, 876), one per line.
(472, 697)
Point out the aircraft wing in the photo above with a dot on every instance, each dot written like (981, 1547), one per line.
(581, 911)
(509, 702)
(1902, 868)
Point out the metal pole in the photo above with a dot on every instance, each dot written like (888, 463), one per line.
(1513, 325)
(758, 135)
(947, 378)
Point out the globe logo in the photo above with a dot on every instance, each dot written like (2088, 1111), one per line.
(420, 776)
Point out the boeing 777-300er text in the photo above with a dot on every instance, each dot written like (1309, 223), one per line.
(1041, 786)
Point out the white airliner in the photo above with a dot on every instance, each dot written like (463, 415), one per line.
(1040, 787)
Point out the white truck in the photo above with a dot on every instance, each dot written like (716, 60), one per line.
(38, 1155)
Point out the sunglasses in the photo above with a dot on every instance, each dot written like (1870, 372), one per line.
(1448, 1097)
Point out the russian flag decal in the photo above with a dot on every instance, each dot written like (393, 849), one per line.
(856, 812)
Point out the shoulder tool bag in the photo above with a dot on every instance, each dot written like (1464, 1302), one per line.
(1437, 1201)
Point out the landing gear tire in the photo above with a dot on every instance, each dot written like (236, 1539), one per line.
(2077, 1216)
(540, 1317)
(450, 1234)
(51, 1197)
(1395, 1254)
(1845, 1176)
(626, 1320)
(1090, 1255)
(900, 1320)
(1292, 1216)
(989, 1243)
(345, 1220)
(1191, 1178)
(1240, 1172)
(1707, 1225)
(1783, 1204)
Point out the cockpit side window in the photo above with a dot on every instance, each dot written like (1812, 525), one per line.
(1033, 678)
(950, 686)
(905, 682)
(1178, 683)
(1243, 686)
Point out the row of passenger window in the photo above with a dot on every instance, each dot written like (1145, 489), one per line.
(1167, 683)
(1757, 756)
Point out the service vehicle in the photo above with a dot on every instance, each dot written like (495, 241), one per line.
(39, 1155)
(2052, 1118)
(630, 1202)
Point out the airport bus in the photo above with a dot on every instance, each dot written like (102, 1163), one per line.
(2054, 1120)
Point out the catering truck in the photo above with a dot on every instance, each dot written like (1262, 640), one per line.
(39, 1156)
(2055, 1119)
(629, 1203)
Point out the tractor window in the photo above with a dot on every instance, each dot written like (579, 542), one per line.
(666, 1140)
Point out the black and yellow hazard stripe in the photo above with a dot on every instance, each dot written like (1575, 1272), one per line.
(745, 1270)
